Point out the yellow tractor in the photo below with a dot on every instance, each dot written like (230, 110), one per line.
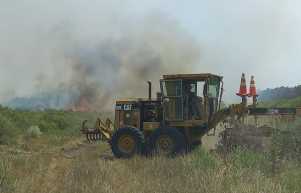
(187, 107)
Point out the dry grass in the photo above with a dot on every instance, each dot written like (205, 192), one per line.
(59, 162)
(84, 168)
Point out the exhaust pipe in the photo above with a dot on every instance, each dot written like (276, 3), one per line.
(149, 90)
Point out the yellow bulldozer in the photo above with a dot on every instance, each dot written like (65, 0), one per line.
(187, 107)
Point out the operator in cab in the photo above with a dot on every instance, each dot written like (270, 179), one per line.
(192, 103)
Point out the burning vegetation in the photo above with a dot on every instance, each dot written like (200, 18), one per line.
(117, 65)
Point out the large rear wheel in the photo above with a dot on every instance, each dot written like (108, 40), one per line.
(167, 141)
(126, 142)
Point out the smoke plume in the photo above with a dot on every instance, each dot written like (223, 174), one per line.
(88, 73)
(119, 66)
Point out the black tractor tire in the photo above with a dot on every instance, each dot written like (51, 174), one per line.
(194, 146)
(177, 146)
(127, 142)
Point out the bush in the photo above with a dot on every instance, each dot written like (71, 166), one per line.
(33, 132)
(7, 131)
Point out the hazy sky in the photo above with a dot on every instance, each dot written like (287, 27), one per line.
(259, 37)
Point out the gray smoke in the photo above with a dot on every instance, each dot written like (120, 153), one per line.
(95, 74)
(119, 66)
(83, 56)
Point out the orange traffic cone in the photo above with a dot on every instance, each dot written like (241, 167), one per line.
(243, 87)
(252, 91)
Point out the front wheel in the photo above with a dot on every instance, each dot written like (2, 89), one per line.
(126, 142)
(167, 141)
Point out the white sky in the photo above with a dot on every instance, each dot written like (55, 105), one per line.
(259, 37)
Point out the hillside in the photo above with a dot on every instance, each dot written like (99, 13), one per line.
(280, 93)
(291, 103)
(280, 97)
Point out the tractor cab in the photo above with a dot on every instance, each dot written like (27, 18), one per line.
(190, 97)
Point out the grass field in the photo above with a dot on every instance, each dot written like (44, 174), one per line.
(76, 166)
(59, 160)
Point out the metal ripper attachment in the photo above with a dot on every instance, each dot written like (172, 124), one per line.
(102, 130)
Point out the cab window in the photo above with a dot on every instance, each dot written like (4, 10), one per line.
(213, 88)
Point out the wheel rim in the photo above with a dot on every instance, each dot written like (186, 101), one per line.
(164, 144)
(126, 144)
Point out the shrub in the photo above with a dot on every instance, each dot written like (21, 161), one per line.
(33, 131)
(7, 131)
